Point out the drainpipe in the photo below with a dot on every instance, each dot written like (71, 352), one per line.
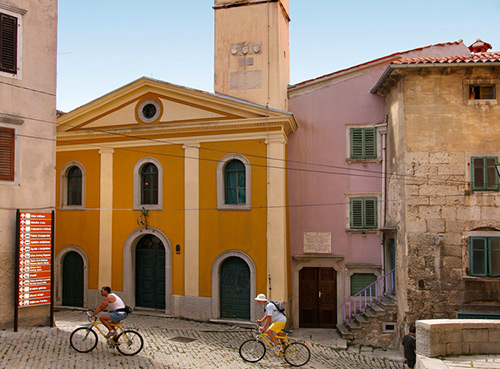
(382, 128)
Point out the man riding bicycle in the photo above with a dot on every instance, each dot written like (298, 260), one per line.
(272, 314)
(117, 307)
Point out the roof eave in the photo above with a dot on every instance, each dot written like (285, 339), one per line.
(390, 68)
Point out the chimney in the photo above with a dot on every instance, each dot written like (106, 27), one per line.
(479, 46)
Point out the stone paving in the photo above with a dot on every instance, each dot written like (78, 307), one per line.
(215, 346)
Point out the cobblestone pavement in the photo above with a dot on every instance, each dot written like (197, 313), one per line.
(215, 346)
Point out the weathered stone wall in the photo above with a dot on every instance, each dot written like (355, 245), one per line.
(434, 130)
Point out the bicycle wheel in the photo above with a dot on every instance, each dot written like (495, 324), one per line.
(83, 339)
(297, 354)
(252, 350)
(129, 343)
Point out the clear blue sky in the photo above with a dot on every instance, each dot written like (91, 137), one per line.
(105, 44)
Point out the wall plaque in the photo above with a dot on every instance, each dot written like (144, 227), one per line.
(318, 242)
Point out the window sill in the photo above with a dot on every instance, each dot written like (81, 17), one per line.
(72, 207)
(362, 231)
(481, 279)
(363, 161)
(233, 207)
(483, 102)
(148, 207)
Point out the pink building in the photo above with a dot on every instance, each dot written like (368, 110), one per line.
(336, 189)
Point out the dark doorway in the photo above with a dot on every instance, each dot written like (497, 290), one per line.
(317, 297)
(234, 289)
(150, 273)
(72, 280)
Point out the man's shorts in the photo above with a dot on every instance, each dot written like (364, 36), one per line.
(277, 326)
(117, 316)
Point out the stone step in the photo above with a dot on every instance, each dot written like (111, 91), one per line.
(354, 326)
(361, 319)
(345, 332)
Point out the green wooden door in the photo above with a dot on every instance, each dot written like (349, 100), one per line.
(234, 289)
(150, 273)
(72, 284)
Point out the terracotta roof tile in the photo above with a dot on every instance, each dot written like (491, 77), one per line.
(487, 57)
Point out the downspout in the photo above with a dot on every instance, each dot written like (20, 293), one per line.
(382, 128)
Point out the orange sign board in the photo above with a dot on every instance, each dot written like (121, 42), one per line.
(35, 259)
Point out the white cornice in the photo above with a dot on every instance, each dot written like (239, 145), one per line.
(185, 141)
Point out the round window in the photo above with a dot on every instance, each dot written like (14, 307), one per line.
(149, 111)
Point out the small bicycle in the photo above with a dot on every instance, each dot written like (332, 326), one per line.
(84, 339)
(295, 353)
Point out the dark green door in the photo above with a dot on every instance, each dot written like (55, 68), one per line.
(72, 284)
(234, 289)
(150, 273)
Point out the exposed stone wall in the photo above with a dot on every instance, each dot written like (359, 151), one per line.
(434, 130)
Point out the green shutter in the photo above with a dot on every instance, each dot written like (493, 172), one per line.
(484, 175)
(371, 213)
(356, 213)
(370, 143)
(477, 256)
(363, 143)
(363, 213)
(360, 281)
(494, 256)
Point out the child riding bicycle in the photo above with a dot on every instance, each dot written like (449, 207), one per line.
(274, 320)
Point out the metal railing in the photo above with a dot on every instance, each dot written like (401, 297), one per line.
(369, 296)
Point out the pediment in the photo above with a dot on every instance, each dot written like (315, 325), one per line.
(176, 106)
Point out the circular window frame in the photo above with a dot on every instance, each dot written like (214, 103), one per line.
(141, 107)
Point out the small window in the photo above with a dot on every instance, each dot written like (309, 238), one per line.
(234, 182)
(484, 256)
(8, 43)
(149, 111)
(74, 182)
(363, 143)
(481, 92)
(363, 213)
(360, 281)
(7, 143)
(484, 176)
(149, 184)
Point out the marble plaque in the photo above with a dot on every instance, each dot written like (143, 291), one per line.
(318, 242)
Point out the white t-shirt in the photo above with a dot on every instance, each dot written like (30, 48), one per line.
(276, 315)
(118, 304)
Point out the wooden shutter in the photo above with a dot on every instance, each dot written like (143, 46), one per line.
(356, 213)
(7, 141)
(356, 143)
(370, 145)
(363, 143)
(478, 256)
(8, 43)
(371, 213)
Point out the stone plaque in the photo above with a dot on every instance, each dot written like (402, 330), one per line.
(245, 80)
(318, 242)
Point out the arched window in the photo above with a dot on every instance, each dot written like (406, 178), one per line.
(149, 184)
(72, 177)
(74, 183)
(234, 182)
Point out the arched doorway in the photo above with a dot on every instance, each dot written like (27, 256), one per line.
(72, 279)
(234, 289)
(150, 273)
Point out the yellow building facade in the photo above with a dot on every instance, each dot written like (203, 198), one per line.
(174, 197)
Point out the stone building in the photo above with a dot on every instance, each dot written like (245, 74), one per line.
(27, 132)
(443, 205)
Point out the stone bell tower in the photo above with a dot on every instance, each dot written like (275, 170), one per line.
(252, 51)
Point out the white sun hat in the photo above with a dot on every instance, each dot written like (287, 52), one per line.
(261, 297)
